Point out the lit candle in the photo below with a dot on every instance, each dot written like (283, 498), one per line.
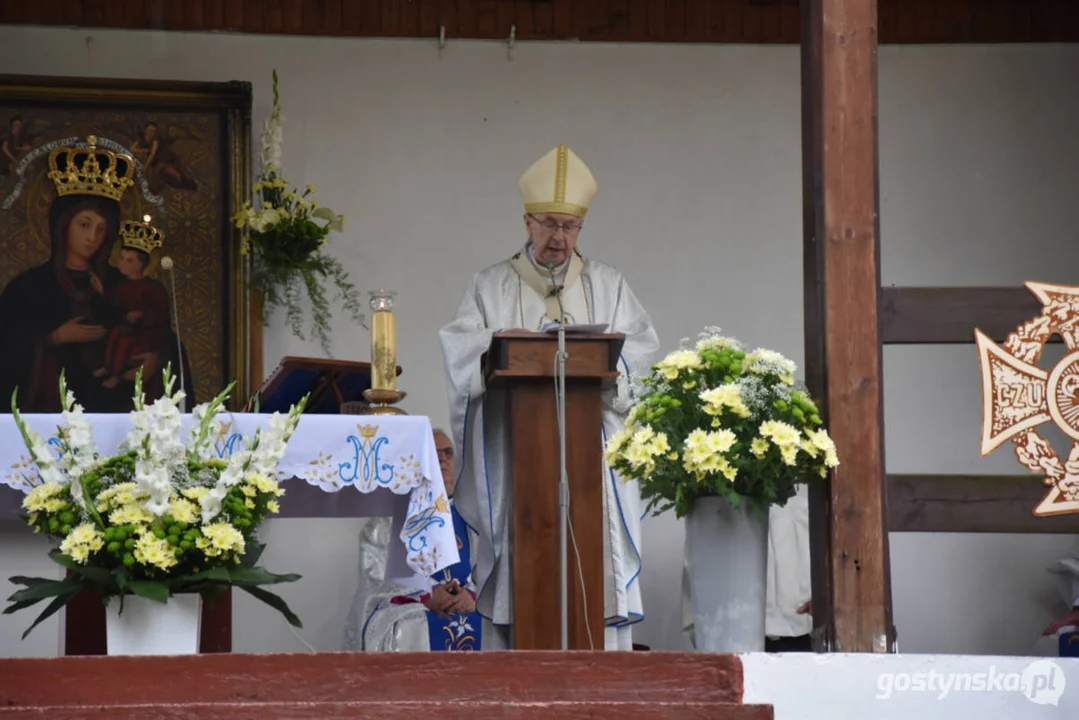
(383, 342)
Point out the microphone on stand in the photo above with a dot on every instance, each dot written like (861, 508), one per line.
(563, 480)
(166, 265)
(556, 291)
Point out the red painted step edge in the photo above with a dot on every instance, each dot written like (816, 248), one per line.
(449, 710)
(353, 677)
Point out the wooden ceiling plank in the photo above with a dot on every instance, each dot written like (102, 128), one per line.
(506, 19)
(753, 23)
(562, 20)
(886, 19)
(313, 17)
(486, 18)
(675, 19)
(525, 16)
(696, 21)
(93, 13)
(1021, 20)
(925, 19)
(18, 12)
(467, 25)
(370, 18)
(428, 18)
(770, 22)
(234, 14)
(114, 14)
(789, 22)
(713, 20)
(581, 30)
(13, 12)
(657, 21)
(602, 19)
(333, 17)
(194, 18)
(255, 16)
(214, 12)
(391, 18)
(408, 18)
(350, 17)
(637, 18)
(997, 26)
(291, 15)
(543, 19)
(961, 18)
(732, 24)
(1042, 27)
(450, 15)
(723, 21)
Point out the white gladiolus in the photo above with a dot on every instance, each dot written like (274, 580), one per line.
(273, 139)
(210, 503)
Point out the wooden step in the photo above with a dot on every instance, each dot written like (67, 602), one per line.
(469, 678)
(449, 710)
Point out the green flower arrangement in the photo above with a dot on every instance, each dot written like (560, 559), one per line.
(286, 234)
(715, 420)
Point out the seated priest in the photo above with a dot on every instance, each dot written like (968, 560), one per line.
(387, 616)
(545, 282)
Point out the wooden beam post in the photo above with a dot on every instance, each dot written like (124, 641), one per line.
(852, 607)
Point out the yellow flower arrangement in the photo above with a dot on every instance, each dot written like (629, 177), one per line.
(715, 420)
(285, 231)
(163, 516)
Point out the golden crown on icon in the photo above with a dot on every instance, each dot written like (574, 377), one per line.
(368, 431)
(91, 170)
(141, 235)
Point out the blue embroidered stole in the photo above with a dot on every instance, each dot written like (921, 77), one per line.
(457, 632)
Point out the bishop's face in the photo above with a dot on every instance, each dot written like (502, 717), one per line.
(554, 236)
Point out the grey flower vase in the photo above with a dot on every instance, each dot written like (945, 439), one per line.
(727, 559)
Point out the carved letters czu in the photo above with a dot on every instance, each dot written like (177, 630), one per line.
(1018, 396)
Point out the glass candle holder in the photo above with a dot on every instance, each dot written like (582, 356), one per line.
(383, 341)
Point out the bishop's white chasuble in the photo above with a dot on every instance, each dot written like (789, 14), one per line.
(518, 294)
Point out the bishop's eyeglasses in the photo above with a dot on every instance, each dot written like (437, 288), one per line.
(550, 227)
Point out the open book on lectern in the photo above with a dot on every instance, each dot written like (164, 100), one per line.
(572, 329)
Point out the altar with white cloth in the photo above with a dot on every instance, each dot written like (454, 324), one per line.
(327, 455)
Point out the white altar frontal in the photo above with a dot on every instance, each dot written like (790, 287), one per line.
(336, 466)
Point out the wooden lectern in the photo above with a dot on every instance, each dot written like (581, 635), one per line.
(523, 364)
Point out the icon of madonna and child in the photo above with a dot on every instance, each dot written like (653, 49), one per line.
(90, 311)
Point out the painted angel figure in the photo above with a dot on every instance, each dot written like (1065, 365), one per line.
(161, 163)
(15, 141)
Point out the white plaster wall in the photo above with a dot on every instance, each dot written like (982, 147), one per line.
(697, 154)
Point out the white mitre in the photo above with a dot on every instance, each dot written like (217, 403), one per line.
(559, 182)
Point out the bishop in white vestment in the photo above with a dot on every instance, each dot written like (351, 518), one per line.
(547, 280)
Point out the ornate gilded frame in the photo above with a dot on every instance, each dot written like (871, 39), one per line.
(233, 100)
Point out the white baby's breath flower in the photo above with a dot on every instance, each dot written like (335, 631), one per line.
(763, 362)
